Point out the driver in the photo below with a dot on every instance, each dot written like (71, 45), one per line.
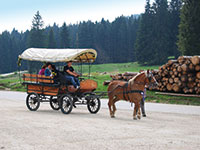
(71, 75)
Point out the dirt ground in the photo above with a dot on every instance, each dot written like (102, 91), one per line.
(21, 129)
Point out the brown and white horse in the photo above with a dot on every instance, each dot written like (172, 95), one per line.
(131, 91)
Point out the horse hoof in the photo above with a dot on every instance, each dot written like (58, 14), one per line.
(112, 116)
(144, 115)
(139, 117)
(134, 118)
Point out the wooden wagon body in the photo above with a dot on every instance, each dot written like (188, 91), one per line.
(41, 88)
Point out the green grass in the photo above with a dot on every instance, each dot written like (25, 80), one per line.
(158, 98)
(11, 82)
(116, 68)
(100, 73)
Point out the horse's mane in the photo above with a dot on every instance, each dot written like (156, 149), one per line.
(134, 78)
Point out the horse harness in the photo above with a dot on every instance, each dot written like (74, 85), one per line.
(126, 91)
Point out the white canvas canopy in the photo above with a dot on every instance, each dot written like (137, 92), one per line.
(59, 55)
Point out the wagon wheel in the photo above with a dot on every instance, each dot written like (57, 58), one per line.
(54, 103)
(66, 104)
(33, 101)
(94, 105)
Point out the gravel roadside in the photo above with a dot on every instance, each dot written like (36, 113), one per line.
(165, 127)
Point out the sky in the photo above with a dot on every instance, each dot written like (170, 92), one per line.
(19, 14)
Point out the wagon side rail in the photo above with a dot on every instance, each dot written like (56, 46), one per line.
(40, 84)
(35, 78)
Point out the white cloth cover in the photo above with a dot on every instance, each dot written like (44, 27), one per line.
(59, 55)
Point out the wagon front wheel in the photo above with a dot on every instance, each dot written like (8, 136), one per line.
(33, 101)
(94, 105)
(66, 104)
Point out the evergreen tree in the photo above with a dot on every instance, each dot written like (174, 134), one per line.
(189, 28)
(102, 41)
(114, 41)
(86, 34)
(36, 37)
(174, 9)
(120, 39)
(152, 46)
(51, 39)
(64, 36)
(36, 40)
(73, 34)
(133, 24)
(7, 50)
(143, 44)
(161, 36)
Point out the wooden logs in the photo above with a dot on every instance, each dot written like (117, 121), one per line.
(125, 76)
(197, 68)
(181, 75)
(184, 67)
(195, 60)
(198, 75)
(176, 88)
(169, 87)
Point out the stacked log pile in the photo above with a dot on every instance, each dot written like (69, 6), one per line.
(181, 75)
(125, 76)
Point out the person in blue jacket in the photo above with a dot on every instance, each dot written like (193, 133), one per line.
(48, 69)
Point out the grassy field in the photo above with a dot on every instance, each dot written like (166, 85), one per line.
(102, 72)
(11, 82)
(116, 68)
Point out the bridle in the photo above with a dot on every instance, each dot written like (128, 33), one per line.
(150, 78)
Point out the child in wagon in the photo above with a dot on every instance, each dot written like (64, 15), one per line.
(41, 72)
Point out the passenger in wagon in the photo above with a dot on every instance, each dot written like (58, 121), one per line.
(54, 71)
(48, 70)
(41, 72)
(71, 75)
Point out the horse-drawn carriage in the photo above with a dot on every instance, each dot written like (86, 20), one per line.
(41, 88)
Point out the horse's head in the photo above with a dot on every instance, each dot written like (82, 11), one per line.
(150, 79)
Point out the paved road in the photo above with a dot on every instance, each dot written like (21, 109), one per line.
(165, 127)
(154, 107)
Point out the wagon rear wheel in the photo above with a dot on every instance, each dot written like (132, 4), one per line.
(54, 103)
(94, 105)
(66, 104)
(33, 101)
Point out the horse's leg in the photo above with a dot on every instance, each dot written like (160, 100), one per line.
(142, 108)
(114, 109)
(135, 112)
(139, 112)
(110, 106)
